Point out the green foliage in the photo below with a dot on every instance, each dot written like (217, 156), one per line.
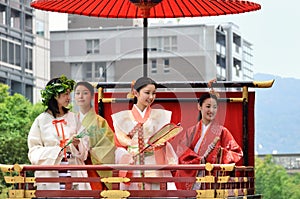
(17, 115)
(273, 182)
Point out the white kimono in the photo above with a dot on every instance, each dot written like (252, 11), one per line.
(44, 148)
(123, 123)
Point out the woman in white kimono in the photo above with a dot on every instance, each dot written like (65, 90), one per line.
(134, 127)
(52, 130)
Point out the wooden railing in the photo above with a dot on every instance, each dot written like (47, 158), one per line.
(218, 181)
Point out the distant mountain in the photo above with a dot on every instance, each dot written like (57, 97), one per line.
(277, 115)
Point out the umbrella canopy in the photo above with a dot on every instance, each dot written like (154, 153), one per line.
(146, 9)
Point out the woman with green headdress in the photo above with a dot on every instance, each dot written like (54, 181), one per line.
(52, 130)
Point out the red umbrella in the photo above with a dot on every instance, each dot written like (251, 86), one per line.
(146, 9)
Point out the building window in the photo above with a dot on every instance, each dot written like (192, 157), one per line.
(221, 61)
(153, 66)
(221, 73)
(237, 42)
(17, 55)
(94, 71)
(168, 43)
(100, 70)
(238, 66)
(11, 53)
(28, 58)
(3, 80)
(40, 28)
(15, 87)
(15, 19)
(166, 65)
(2, 15)
(92, 46)
(154, 44)
(89, 70)
(4, 53)
(221, 38)
(29, 92)
(28, 23)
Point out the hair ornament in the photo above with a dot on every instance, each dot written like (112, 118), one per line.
(54, 89)
(131, 94)
(211, 89)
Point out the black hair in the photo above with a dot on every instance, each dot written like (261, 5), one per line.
(202, 98)
(87, 85)
(52, 103)
(141, 83)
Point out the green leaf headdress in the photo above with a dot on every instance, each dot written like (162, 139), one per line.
(54, 89)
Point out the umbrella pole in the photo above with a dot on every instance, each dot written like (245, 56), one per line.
(145, 50)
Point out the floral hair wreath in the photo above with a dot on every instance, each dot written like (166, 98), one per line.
(54, 89)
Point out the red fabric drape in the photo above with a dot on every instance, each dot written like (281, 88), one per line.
(230, 113)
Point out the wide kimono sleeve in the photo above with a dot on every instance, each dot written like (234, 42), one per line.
(182, 144)
(39, 153)
(81, 151)
(123, 124)
(231, 151)
(103, 148)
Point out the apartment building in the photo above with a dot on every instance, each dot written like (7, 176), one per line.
(24, 48)
(175, 52)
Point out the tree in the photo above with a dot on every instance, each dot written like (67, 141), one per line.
(17, 115)
(273, 182)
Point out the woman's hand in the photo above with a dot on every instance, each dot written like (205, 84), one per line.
(75, 141)
(159, 145)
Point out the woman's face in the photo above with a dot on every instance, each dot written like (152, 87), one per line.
(83, 96)
(64, 99)
(146, 96)
(208, 110)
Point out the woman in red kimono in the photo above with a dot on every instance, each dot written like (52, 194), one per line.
(207, 141)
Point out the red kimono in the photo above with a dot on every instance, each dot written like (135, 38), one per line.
(217, 147)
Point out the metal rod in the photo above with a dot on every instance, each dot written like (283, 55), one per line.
(193, 84)
(145, 50)
(100, 102)
(245, 127)
(119, 100)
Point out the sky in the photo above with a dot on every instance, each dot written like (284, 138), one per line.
(273, 30)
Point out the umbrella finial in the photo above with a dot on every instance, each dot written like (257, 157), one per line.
(145, 5)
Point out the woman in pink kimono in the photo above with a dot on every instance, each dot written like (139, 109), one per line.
(207, 141)
(134, 127)
(52, 130)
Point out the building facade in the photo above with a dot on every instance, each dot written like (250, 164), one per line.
(24, 48)
(175, 53)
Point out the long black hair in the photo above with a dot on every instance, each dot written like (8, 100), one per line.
(202, 98)
(52, 103)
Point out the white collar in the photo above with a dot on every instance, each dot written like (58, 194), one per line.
(142, 113)
(81, 116)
